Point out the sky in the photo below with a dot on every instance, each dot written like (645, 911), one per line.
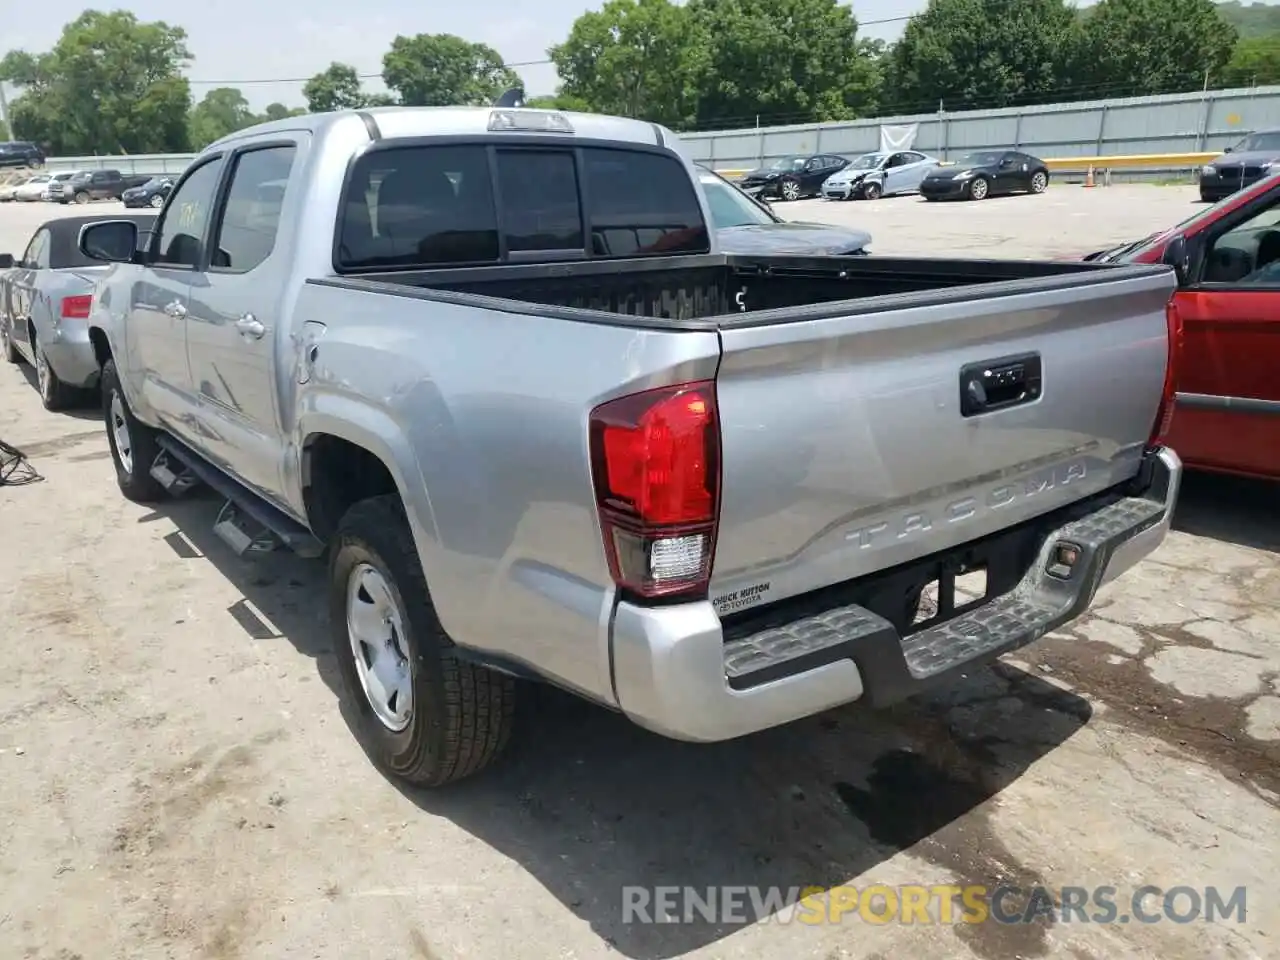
(235, 41)
(268, 48)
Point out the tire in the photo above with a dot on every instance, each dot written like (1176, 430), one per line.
(133, 467)
(872, 191)
(460, 715)
(54, 394)
(82, 197)
(7, 350)
(1039, 181)
(156, 201)
(979, 188)
(789, 190)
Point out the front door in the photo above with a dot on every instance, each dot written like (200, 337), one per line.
(156, 332)
(1227, 416)
(1010, 174)
(236, 308)
(22, 290)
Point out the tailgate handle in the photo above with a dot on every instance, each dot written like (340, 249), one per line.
(991, 385)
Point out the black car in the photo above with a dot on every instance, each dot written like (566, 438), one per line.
(1253, 158)
(151, 193)
(20, 153)
(986, 173)
(106, 184)
(791, 178)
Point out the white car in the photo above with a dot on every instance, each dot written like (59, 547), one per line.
(879, 174)
(32, 189)
(53, 188)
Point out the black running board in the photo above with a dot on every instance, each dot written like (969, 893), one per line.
(291, 533)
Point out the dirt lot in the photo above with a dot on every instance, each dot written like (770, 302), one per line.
(178, 781)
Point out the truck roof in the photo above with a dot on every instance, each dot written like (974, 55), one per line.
(457, 121)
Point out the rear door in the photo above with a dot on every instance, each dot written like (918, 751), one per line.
(234, 332)
(1228, 410)
(849, 446)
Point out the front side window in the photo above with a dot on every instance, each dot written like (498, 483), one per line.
(251, 217)
(1248, 253)
(179, 241)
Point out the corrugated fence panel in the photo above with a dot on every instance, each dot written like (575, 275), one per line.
(1177, 123)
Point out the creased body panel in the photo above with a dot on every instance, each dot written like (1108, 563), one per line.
(845, 448)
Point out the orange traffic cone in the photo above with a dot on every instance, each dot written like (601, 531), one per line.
(1088, 180)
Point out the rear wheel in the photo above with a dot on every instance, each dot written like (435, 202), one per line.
(1039, 181)
(82, 197)
(156, 201)
(790, 189)
(871, 191)
(54, 394)
(421, 713)
(979, 188)
(133, 444)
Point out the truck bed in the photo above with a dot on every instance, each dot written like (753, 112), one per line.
(715, 291)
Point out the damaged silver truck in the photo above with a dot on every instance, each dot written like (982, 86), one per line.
(490, 362)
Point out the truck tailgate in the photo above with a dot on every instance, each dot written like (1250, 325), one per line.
(858, 441)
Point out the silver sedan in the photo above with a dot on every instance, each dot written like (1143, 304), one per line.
(45, 298)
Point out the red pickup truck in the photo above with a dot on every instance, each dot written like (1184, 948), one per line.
(1227, 413)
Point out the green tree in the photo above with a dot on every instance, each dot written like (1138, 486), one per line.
(783, 61)
(980, 53)
(4, 130)
(632, 58)
(1140, 47)
(558, 101)
(1255, 60)
(441, 70)
(111, 84)
(222, 111)
(1254, 20)
(278, 111)
(335, 88)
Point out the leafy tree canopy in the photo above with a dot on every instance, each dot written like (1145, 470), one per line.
(441, 70)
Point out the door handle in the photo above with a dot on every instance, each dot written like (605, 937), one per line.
(250, 327)
(175, 309)
(999, 384)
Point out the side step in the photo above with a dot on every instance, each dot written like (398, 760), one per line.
(172, 474)
(247, 521)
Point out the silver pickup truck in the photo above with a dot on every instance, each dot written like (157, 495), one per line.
(491, 362)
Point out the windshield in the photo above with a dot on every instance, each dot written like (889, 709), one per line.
(730, 207)
(868, 161)
(156, 182)
(989, 159)
(1260, 143)
(44, 179)
(789, 163)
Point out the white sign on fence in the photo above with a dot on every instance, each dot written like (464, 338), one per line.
(898, 136)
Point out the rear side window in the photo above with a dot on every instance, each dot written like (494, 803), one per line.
(435, 206)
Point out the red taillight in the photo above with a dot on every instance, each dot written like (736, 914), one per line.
(1164, 413)
(655, 463)
(76, 308)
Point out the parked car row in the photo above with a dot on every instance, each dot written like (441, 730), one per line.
(82, 186)
(974, 176)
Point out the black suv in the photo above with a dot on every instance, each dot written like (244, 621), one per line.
(20, 153)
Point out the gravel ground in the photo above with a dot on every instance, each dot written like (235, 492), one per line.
(178, 780)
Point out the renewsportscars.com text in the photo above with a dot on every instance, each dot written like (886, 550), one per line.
(932, 904)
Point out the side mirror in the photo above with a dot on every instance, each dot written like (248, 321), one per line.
(115, 241)
(1175, 255)
(1227, 149)
(6, 261)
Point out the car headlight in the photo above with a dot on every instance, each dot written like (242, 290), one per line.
(962, 174)
(1208, 171)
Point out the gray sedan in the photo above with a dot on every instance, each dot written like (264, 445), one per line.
(44, 308)
(747, 226)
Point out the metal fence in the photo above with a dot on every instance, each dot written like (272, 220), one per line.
(1172, 124)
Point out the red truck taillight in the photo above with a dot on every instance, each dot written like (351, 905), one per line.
(76, 308)
(655, 463)
(1164, 413)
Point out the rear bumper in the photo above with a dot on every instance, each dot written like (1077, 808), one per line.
(674, 673)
